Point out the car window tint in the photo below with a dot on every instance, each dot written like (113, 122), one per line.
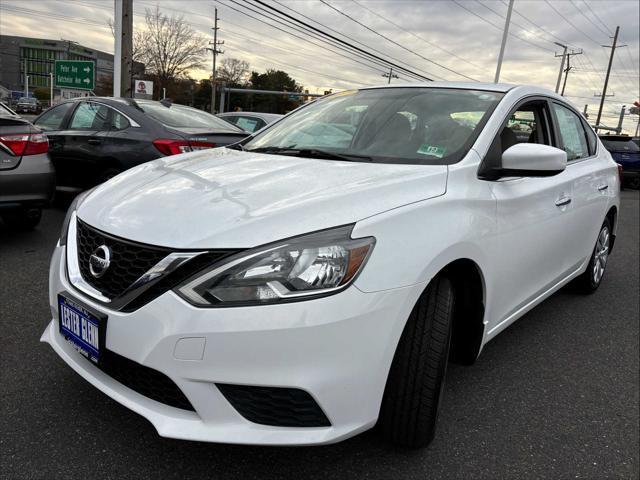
(247, 123)
(118, 121)
(89, 116)
(52, 118)
(179, 116)
(620, 145)
(574, 140)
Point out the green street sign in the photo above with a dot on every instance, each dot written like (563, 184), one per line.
(77, 74)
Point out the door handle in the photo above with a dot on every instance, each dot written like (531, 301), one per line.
(562, 201)
(94, 141)
(602, 188)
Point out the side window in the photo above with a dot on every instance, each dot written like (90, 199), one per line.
(592, 140)
(247, 123)
(89, 116)
(572, 134)
(118, 121)
(528, 124)
(52, 119)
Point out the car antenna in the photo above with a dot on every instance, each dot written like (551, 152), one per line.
(166, 102)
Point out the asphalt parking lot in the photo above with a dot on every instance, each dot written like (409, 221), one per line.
(554, 396)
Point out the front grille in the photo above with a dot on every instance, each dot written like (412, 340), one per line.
(275, 406)
(129, 261)
(144, 380)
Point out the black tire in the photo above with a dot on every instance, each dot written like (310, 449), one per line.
(416, 379)
(587, 282)
(634, 183)
(23, 219)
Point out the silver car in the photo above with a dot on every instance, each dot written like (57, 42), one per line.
(250, 121)
(27, 176)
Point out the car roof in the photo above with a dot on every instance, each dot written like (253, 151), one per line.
(491, 87)
(257, 114)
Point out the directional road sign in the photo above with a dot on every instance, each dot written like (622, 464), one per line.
(79, 74)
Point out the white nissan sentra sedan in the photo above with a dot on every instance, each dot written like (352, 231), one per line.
(313, 281)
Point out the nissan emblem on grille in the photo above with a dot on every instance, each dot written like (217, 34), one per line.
(99, 261)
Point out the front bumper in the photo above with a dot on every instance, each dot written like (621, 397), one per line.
(338, 349)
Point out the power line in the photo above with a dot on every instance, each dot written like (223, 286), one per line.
(380, 64)
(415, 35)
(515, 35)
(271, 7)
(524, 17)
(597, 17)
(307, 31)
(588, 19)
(396, 43)
(571, 23)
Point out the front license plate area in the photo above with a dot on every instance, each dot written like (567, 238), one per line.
(83, 327)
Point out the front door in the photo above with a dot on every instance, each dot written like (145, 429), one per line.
(536, 230)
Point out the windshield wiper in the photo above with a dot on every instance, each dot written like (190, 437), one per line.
(313, 153)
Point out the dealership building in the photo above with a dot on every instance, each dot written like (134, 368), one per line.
(38, 56)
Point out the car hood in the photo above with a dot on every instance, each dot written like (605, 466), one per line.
(224, 198)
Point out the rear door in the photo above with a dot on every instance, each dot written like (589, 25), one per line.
(78, 164)
(591, 176)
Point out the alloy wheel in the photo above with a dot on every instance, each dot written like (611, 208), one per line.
(600, 255)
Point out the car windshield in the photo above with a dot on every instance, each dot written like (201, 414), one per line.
(620, 145)
(27, 100)
(179, 116)
(411, 125)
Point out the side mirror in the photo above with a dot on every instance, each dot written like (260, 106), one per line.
(532, 160)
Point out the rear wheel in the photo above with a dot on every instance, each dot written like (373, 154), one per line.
(634, 182)
(590, 280)
(414, 387)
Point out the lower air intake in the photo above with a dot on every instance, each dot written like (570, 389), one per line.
(274, 406)
(144, 380)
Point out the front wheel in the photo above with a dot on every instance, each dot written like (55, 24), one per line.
(414, 387)
(590, 280)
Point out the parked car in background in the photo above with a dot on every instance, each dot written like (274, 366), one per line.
(29, 105)
(6, 111)
(93, 138)
(626, 152)
(27, 176)
(250, 121)
(315, 279)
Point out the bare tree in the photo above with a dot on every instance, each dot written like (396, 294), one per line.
(169, 47)
(233, 71)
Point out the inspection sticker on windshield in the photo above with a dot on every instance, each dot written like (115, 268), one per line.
(433, 150)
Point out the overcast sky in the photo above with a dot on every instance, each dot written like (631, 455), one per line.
(446, 39)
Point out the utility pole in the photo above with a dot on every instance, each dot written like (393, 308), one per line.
(215, 53)
(51, 89)
(564, 56)
(584, 112)
(123, 48)
(26, 79)
(606, 79)
(621, 119)
(390, 75)
(504, 41)
(569, 67)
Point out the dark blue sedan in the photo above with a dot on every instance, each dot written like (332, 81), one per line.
(627, 153)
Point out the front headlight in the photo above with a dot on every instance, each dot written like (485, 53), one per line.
(302, 267)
